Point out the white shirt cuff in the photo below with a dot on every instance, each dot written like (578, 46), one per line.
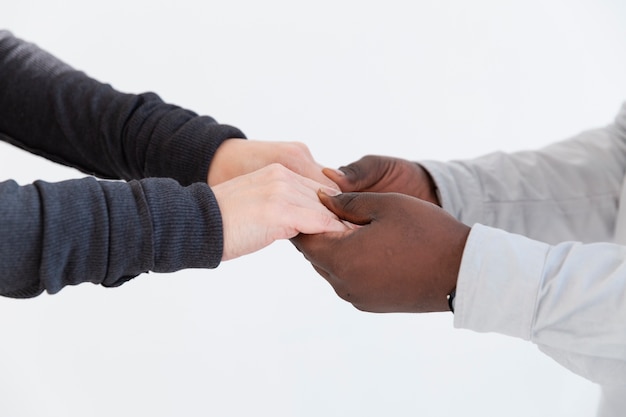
(498, 282)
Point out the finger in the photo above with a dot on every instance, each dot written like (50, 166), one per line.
(315, 172)
(339, 177)
(292, 204)
(359, 175)
(297, 157)
(313, 221)
(315, 248)
(357, 208)
(290, 188)
(312, 183)
(304, 193)
(306, 217)
(312, 170)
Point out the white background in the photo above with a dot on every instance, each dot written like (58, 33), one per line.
(264, 335)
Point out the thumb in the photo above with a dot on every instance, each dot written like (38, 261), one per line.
(357, 208)
(345, 180)
(360, 175)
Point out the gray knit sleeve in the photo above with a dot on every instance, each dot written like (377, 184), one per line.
(52, 110)
(104, 232)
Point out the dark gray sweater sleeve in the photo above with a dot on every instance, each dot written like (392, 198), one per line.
(52, 110)
(104, 232)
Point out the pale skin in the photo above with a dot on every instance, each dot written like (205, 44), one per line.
(269, 204)
(404, 254)
(236, 157)
(267, 191)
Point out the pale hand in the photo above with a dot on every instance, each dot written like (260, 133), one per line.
(270, 204)
(236, 157)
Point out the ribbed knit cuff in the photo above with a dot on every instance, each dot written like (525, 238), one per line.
(186, 225)
(186, 153)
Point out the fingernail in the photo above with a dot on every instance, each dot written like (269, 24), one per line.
(331, 192)
(338, 172)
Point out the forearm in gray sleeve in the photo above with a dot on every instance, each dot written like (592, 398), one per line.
(58, 234)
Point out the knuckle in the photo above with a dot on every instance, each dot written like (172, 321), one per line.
(369, 161)
(275, 167)
(344, 295)
(282, 187)
(293, 153)
(353, 202)
(360, 307)
(298, 149)
(363, 170)
(277, 172)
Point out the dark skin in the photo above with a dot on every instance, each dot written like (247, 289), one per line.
(384, 174)
(406, 253)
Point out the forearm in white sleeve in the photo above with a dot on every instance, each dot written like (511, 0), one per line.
(566, 191)
(569, 299)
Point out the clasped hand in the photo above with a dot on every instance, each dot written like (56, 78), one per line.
(268, 191)
(384, 245)
(406, 254)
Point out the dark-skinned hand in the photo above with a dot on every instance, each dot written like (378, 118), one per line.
(404, 255)
(383, 174)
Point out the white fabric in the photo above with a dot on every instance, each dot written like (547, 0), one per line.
(544, 260)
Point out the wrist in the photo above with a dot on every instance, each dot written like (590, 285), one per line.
(455, 263)
(225, 162)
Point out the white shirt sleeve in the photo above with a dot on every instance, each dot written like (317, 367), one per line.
(569, 298)
(523, 273)
(566, 191)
